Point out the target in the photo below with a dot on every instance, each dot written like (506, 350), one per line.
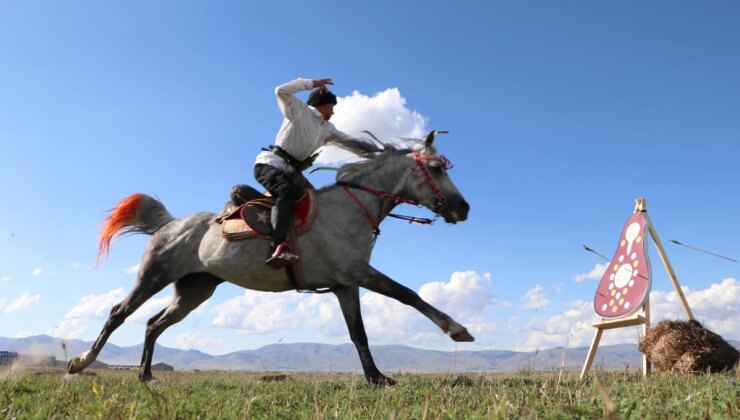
(626, 282)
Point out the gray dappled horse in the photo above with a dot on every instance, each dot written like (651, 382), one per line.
(192, 253)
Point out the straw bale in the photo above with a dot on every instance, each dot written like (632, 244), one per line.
(687, 347)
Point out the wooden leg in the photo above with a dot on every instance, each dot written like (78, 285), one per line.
(669, 269)
(591, 353)
(646, 366)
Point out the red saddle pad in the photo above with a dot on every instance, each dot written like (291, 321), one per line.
(256, 214)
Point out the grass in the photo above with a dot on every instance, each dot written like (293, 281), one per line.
(116, 394)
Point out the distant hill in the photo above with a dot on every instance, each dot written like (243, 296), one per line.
(341, 358)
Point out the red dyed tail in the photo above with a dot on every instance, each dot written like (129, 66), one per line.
(122, 216)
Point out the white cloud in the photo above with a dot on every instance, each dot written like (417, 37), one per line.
(148, 309)
(6, 278)
(594, 274)
(69, 328)
(95, 306)
(384, 114)
(259, 312)
(717, 307)
(465, 297)
(23, 334)
(24, 300)
(535, 298)
(99, 306)
(201, 309)
(76, 265)
(571, 328)
(37, 272)
(192, 340)
(132, 270)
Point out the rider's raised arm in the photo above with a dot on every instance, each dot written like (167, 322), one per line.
(291, 106)
(352, 144)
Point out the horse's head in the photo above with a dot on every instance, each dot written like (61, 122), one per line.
(414, 176)
(430, 184)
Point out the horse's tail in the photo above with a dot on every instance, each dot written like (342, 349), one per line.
(137, 213)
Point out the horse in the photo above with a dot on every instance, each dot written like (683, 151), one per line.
(191, 252)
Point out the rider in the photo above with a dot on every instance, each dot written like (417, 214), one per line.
(305, 129)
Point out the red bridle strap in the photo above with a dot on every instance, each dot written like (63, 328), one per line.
(427, 175)
(373, 220)
(395, 197)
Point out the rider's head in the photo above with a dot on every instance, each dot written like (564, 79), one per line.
(323, 100)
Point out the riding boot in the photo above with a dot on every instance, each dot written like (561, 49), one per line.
(280, 251)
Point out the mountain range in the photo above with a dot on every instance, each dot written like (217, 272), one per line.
(315, 357)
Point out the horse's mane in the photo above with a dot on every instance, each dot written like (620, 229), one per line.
(352, 172)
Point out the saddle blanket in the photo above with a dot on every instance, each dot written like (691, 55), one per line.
(253, 218)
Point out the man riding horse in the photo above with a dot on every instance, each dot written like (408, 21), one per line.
(305, 129)
(193, 255)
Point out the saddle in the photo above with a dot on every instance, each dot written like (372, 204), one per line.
(253, 214)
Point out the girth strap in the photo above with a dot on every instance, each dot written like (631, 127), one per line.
(295, 270)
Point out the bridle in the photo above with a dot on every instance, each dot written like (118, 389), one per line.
(418, 170)
(421, 165)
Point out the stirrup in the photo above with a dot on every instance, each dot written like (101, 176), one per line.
(282, 256)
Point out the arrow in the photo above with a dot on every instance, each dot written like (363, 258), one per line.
(701, 250)
(589, 249)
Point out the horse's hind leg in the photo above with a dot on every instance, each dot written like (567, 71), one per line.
(149, 283)
(190, 292)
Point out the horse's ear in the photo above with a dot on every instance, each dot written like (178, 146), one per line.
(430, 137)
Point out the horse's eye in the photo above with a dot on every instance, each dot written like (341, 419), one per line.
(441, 162)
(435, 167)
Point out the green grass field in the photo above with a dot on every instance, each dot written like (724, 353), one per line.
(118, 394)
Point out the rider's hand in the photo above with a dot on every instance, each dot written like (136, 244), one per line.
(321, 83)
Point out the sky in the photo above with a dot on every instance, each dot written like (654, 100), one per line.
(560, 114)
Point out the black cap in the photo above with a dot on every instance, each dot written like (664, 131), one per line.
(321, 96)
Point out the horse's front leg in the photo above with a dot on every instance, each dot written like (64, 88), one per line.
(374, 280)
(349, 301)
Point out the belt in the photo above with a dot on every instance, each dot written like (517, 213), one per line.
(299, 165)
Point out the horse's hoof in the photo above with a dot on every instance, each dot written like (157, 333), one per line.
(462, 336)
(73, 366)
(146, 377)
(380, 381)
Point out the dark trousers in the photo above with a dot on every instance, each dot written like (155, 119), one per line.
(287, 189)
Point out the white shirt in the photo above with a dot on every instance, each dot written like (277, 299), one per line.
(304, 130)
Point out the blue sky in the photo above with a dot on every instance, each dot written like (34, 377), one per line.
(560, 114)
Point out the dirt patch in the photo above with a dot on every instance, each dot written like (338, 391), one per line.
(274, 378)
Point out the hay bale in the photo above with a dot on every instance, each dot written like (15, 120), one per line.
(686, 347)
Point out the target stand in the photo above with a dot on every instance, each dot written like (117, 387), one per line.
(623, 296)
